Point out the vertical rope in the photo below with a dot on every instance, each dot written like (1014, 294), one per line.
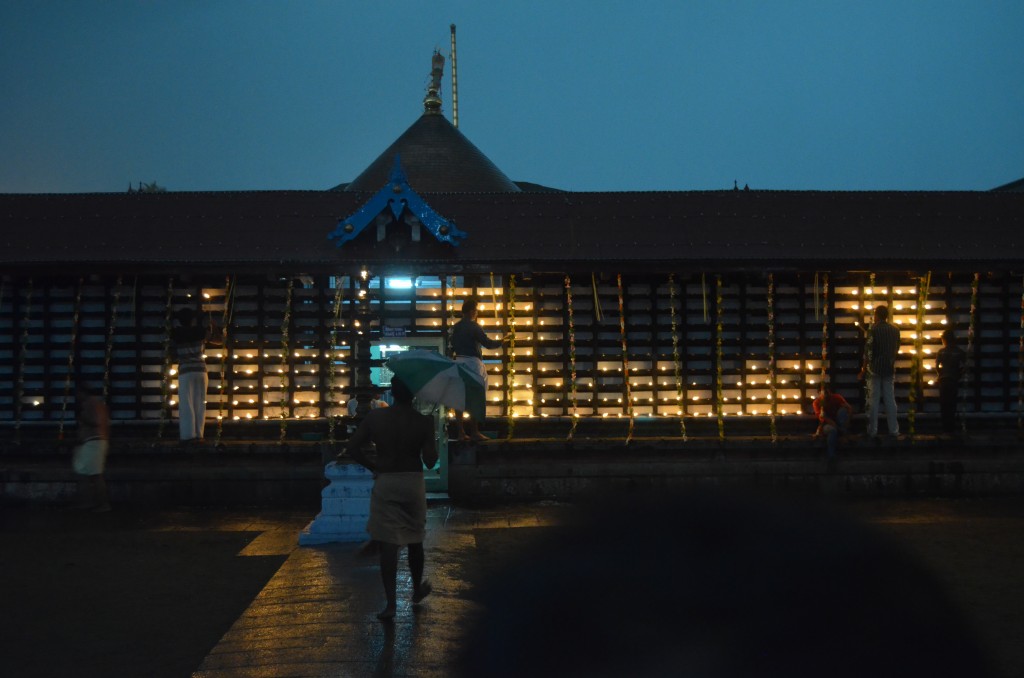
(71, 356)
(625, 358)
(510, 378)
(22, 355)
(331, 366)
(718, 357)
(771, 356)
(676, 363)
(165, 380)
(572, 359)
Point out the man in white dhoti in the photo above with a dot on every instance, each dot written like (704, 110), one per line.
(404, 441)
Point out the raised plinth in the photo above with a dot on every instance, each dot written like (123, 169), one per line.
(345, 506)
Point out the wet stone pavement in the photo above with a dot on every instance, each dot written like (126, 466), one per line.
(224, 594)
(316, 617)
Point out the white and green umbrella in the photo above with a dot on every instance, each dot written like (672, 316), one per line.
(437, 379)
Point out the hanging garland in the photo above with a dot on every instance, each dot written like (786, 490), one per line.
(22, 354)
(165, 382)
(331, 367)
(510, 377)
(494, 300)
(923, 287)
(677, 364)
(824, 329)
(108, 355)
(71, 357)
(572, 359)
(704, 295)
(285, 352)
(449, 301)
(625, 358)
(968, 372)
(771, 356)
(718, 357)
(229, 292)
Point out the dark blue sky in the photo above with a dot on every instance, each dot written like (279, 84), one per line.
(581, 95)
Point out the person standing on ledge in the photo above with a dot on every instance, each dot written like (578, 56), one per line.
(883, 345)
(405, 443)
(189, 340)
(467, 339)
(950, 361)
(90, 456)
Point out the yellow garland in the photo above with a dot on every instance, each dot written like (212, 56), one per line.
(968, 372)
(108, 354)
(718, 356)
(625, 359)
(71, 357)
(511, 374)
(331, 367)
(225, 320)
(572, 358)
(449, 307)
(680, 403)
(22, 354)
(923, 286)
(286, 350)
(824, 331)
(773, 429)
(165, 384)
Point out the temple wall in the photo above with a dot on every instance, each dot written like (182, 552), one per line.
(591, 346)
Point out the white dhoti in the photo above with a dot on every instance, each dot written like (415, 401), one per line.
(476, 364)
(398, 508)
(90, 458)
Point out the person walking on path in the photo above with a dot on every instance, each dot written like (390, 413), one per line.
(950, 362)
(404, 442)
(834, 413)
(883, 345)
(189, 340)
(90, 455)
(467, 339)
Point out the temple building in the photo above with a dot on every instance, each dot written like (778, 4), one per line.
(670, 313)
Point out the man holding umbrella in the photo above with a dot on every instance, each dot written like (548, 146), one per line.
(404, 441)
(467, 339)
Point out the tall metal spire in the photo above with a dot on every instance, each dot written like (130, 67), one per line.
(432, 102)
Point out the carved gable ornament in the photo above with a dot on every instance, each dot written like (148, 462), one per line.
(398, 197)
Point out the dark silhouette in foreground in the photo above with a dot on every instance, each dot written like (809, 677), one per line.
(717, 585)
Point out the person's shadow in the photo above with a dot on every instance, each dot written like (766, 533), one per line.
(403, 636)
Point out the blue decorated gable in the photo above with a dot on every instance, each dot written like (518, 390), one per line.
(397, 197)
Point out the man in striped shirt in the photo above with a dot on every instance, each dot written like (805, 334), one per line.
(883, 345)
(189, 340)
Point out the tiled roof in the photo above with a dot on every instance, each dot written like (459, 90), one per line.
(436, 158)
(545, 231)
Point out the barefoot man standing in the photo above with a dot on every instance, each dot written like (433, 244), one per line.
(404, 439)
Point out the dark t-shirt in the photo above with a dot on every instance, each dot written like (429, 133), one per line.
(951, 364)
(468, 337)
